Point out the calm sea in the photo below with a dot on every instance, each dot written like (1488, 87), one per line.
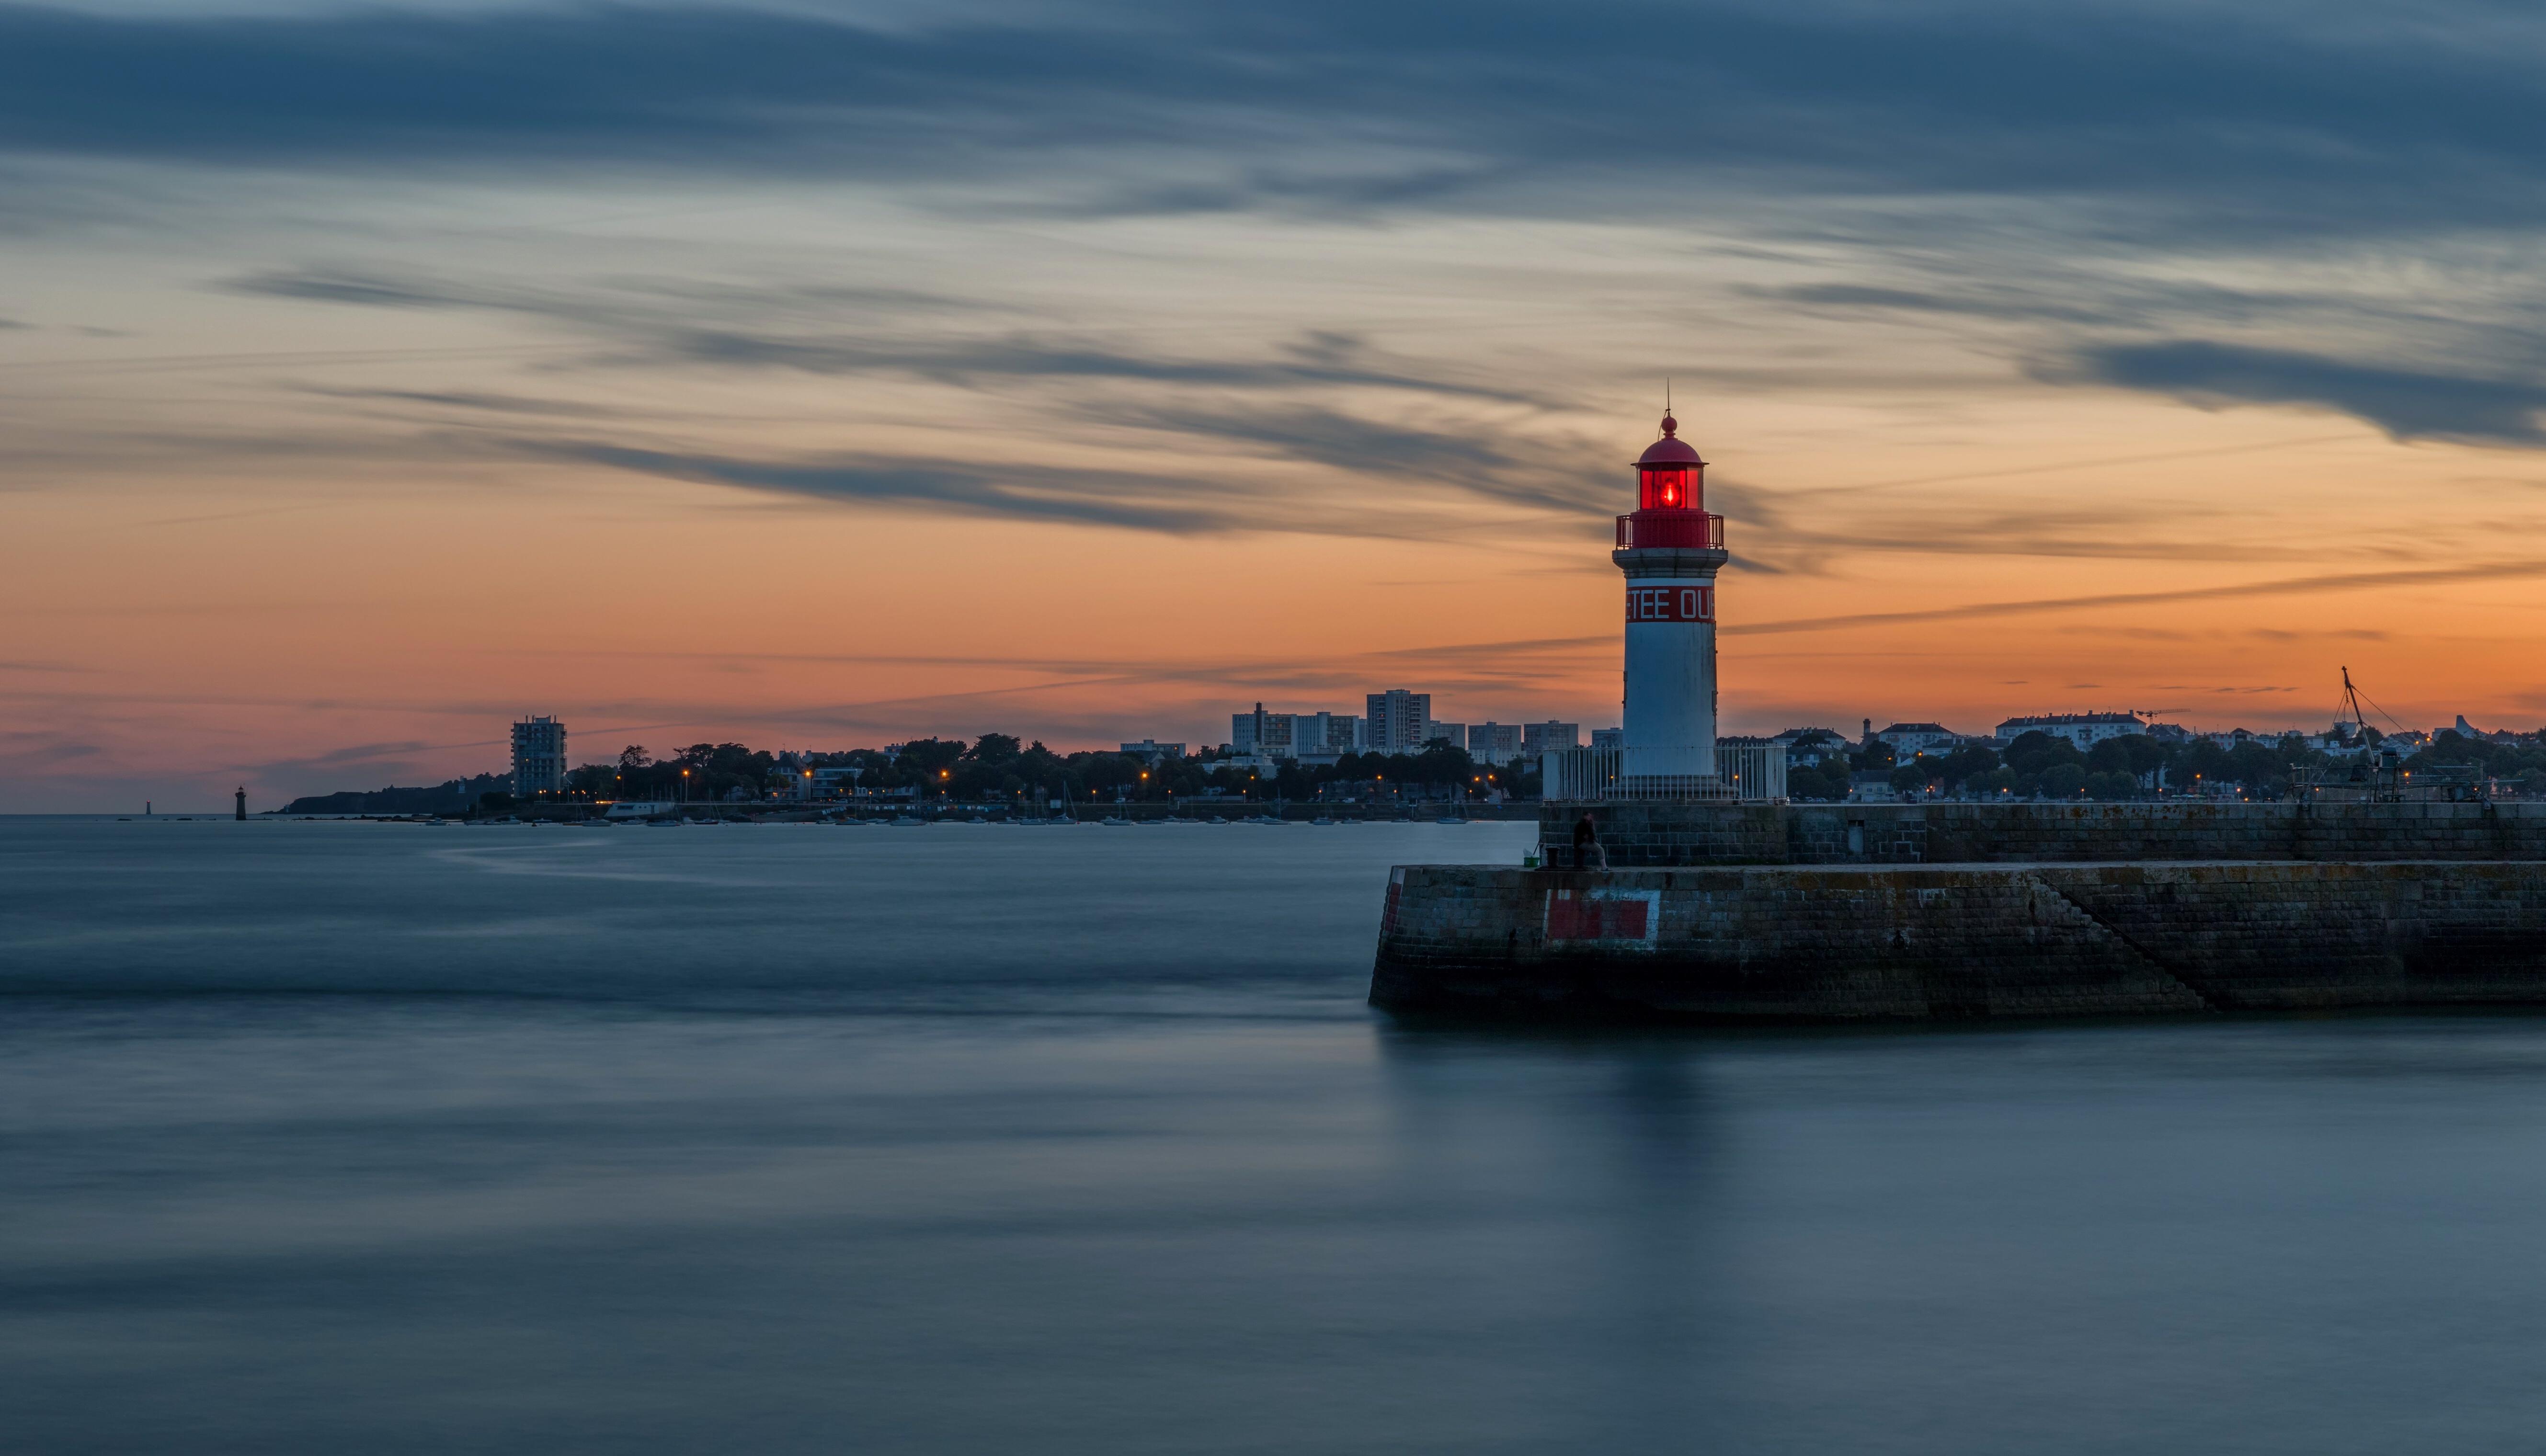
(365, 1137)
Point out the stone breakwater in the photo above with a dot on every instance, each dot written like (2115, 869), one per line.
(1675, 834)
(1964, 941)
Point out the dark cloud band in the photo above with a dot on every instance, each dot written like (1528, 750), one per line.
(2271, 117)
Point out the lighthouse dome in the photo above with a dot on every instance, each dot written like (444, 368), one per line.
(1669, 449)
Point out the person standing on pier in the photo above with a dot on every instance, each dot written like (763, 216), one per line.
(1587, 845)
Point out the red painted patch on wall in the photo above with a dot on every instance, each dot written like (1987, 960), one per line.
(1572, 917)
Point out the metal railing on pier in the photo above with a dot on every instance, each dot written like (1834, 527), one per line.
(1750, 770)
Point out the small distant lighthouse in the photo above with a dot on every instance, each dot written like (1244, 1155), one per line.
(1670, 547)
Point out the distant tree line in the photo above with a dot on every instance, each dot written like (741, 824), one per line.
(999, 768)
(2134, 765)
(454, 795)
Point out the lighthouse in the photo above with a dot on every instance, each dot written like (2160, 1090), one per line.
(1670, 547)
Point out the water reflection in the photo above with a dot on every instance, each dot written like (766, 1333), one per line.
(1071, 1180)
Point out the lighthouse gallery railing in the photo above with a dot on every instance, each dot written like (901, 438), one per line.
(1691, 530)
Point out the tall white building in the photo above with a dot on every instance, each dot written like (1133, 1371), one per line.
(1267, 733)
(538, 756)
(1327, 734)
(1400, 721)
(1539, 738)
(1494, 742)
(1293, 734)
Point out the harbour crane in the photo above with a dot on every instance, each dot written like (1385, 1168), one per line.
(2346, 709)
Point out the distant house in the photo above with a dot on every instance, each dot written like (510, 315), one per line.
(2085, 730)
(793, 779)
(2235, 738)
(1910, 740)
(1810, 745)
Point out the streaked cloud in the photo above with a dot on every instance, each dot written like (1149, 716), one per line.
(2408, 403)
(471, 401)
(712, 328)
(1023, 491)
(2338, 581)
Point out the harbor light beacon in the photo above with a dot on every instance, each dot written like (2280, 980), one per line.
(1670, 547)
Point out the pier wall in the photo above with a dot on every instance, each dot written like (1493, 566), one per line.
(1964, 941)
(1675, 834)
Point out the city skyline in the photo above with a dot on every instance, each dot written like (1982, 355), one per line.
(678, 370)
(538, 763)
(330, 771)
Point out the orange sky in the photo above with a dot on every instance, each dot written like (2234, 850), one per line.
(330, 630)
(313, 481)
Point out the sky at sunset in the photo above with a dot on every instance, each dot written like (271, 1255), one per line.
(820, 375)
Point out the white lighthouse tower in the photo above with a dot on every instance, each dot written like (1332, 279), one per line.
(1670, 547)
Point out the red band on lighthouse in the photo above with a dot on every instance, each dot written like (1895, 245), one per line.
(1671, 603)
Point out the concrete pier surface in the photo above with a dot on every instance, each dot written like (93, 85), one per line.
(1964, 941)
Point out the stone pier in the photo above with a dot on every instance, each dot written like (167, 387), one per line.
(1754, 914)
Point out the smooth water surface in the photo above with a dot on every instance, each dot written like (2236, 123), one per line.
(385, 1137)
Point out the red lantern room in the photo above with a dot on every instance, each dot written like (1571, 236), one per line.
(1669, 476)
(1671, 497)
